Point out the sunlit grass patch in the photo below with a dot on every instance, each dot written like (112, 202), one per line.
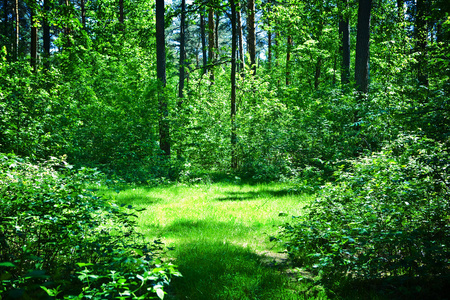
(220, 235)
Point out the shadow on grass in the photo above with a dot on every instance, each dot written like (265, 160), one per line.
(220, 270)
(138, 200)
(250, 195)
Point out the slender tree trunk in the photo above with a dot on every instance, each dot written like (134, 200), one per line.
(34, 39)
(164, 138)
(5, 18)
(83, 14)
(344, 32)
(211, 41)
(46, 33)
(421, 42)
(216, 28)
(121, 18)
(17, 29)
(182, 51)
(317, 73)
(269, 38)
(67, 27)
(362, 46)
(203, 38)
(241, 41)
(233, 85)
(288, 59)
(251, 38)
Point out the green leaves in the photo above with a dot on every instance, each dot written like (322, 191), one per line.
(384, 217)
(52, 225)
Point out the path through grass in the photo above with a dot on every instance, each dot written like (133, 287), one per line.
(220, 236)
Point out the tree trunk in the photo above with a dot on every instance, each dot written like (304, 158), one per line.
(211, 41)
(34, 39)
(421, 31)
(362, 46)
(164, 138)
(251, 38)
(203, 38)
(241, 41)
(317, 73)
(288, 59)
(17, 28)
(182, 51)
(83, 14)
(46, 32)
(344, 32)
(216, 34)
(233, 85)
(121, 18)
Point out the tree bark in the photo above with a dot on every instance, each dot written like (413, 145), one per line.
(251, 38)
(241, 41)
(203, 39)
(344, 33)
(421, 31)
(288, 59)
(46, 32)
(164, 138)
(362, 46)
(233, 85)
(211, 42)
(34, 39)
(121, 18)
(83, 14)
(182, 51)
(17, 29)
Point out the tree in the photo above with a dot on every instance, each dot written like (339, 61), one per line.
(421, 31)
(46, 33)
(164, 137)
(34, 38)
(211, 42)
(203, 40)
(344, 33)
(233, 85)
(182, 50)
(17, 27)
(251, 38)
(362, 46)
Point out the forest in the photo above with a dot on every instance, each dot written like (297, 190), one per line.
(210, 149)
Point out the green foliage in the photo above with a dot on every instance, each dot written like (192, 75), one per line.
(52, 228)
(387, 215)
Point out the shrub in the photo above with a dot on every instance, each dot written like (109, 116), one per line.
(387, 215)
(56, 234)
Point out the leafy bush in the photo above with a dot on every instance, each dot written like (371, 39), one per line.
(388, 215)
(56, 234)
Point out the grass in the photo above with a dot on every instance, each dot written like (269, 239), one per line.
(220, 236)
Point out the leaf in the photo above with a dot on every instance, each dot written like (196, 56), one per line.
(7, 264)
(160, 293)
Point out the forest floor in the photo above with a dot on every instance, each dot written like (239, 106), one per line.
(219, 236)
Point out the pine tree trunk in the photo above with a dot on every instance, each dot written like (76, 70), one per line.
(34, 40)
(164, 138)
(203, 40)
(251, 38)
(211, 41)
(421, 31)
(233, 86)
(362, 46)
(182, 51)
(17, 28)
(344, 32)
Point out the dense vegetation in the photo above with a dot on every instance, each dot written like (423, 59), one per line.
(91, 82)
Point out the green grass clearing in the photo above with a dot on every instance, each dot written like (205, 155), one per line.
(220, 235)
